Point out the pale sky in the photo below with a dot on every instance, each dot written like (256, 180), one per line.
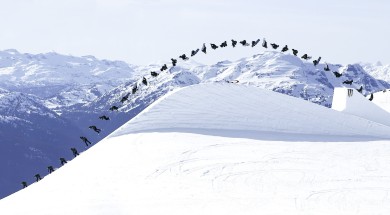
(145, 31)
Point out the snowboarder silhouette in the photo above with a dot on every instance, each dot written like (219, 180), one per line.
(213, 46)
(204, 49)
(50, 169)
(63, 161)
(97, 130)
(184, 57)
(265, 43)
(274, 45)
(285, 48)
(224, 44)
(104, 117)
(86, 141)
(135, 88)
(174, 61)
(234, 43)
(194, 52)
(24, 184)
(244, 43)
(125, 98)
(164, 67)
(371, 97)
(74, 151)
(113, 108)
(144, 81)
(295, 52)
(254, 43)
(155, 74)
(38, 177)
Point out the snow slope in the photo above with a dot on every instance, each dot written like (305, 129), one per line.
(223, 149)
(358, 105)
(382, 99)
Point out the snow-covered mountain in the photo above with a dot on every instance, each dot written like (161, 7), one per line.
(61, 80)
(32, 138)
(378, 70)
(224, 149)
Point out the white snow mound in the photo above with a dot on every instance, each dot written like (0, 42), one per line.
(246, 108)
(139, 170)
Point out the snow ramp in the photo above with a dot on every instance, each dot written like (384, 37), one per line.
(352, 102)
(232, 107)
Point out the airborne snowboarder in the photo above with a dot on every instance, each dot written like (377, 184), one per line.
(24, 184)
(50, 169)
(63, 161)
(104, 117)
(86, 141)
(38, 177)
(74, 151)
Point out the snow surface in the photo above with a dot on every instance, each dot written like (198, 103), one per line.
(382, 99)
(223, 149)
(358, 105)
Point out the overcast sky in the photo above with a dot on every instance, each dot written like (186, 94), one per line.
(145, 31)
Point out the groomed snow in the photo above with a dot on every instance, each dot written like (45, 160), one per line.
(223, 149)
(356, 104)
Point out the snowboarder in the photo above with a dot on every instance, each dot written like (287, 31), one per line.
(316, 62)
(144, 81)
(164, 67)
(234, 43)
(274, 45)
(38, 177)
(327, 68)
(63, 161)
(135, 88)
(306, 57)
(194, 52)
(360, 90)
(264, 44)
(97, 130)
(213, 46)
(104, 117)
(295, 52)
(74, 151)
(50, 169)
(204, 49)
(155, 74)
(114, 108)
(244, 43)
(348, 82)
(224, 44)
(125, 98)
(371, 97)
(86, 141)
(174, 61)
(338, 75)
(254, 43)
(285, 48)
(184, 57)
(24, 184)
(350, 92)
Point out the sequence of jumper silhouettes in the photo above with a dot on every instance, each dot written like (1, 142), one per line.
(184, 57)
